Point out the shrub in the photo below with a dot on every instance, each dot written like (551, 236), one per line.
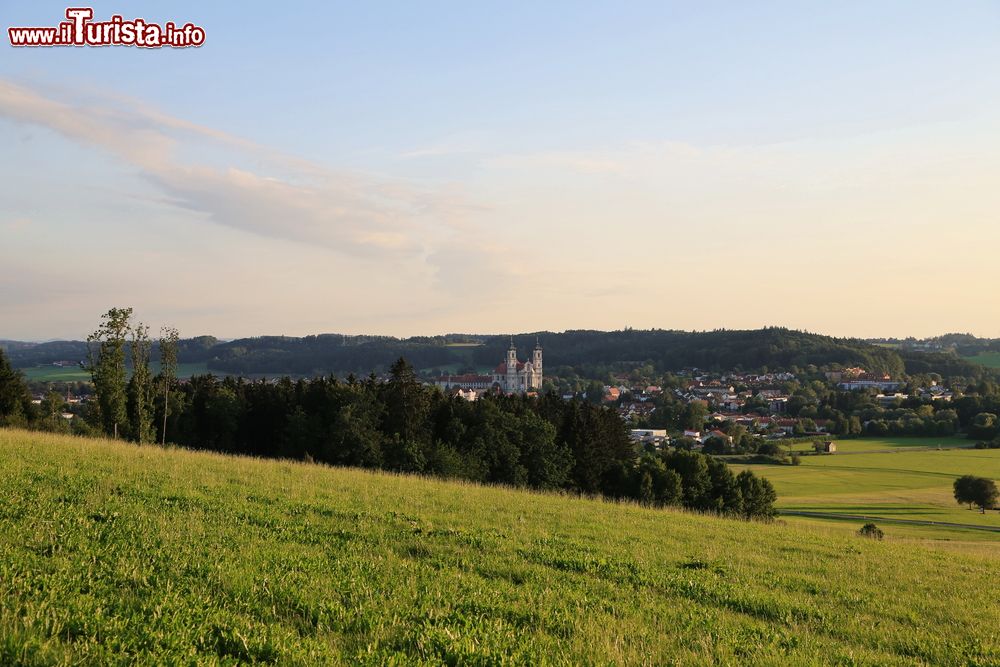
(870, 530)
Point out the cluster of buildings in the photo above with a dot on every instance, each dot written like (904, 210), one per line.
(511, 376)
(850, 379)
(71, 402)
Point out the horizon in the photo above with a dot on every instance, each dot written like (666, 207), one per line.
(226, 339)
(394, 169)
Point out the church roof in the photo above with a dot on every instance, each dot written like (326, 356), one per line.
(502, 368)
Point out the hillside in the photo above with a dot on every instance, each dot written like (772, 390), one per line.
(896, 482)
(116, 554)
(592, 353)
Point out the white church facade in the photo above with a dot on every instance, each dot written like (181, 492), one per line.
(519, 377)
(510, 376)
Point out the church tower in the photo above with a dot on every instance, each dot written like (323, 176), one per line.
(536, 364)
(511, 367)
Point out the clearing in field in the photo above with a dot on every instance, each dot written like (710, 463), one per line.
(888, 444)
(901, 483)
(118, 554)
(77, 374)
(988, 359)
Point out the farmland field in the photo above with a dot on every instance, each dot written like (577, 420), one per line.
(988, 359)
(888, 444)
(908, 484)
(118, 554)
(77, 374)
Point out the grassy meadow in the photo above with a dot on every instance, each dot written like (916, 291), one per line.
(883, 478)
(988, 359)
(76, 374)
(888, 444)
(117, 554)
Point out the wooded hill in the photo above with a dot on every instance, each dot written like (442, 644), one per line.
(753, 350)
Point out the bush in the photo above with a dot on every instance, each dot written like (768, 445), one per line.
(796, 460)
(772, 449)
(871, 531)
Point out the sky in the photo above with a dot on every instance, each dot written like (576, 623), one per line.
(412, 168)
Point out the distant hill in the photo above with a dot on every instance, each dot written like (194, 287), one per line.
(591, 353)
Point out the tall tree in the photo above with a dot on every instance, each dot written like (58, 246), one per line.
(407, 405)
(140, 387)
(106, 356)
(14, 397)
(168, 371)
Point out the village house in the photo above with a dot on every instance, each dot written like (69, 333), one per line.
(654, 436)
(717, 434)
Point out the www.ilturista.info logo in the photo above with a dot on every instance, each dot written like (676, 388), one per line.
(81, 30)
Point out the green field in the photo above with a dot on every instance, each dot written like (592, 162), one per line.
(988, 359)
(118, 554)
(56, 374)
(76, 374)
(906, 483)
(886, 444)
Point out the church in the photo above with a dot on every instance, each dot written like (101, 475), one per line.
(519, 377)
(510, 377)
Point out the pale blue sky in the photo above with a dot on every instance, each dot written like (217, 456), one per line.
(410, 168)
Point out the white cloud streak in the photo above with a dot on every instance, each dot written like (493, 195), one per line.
(359, 215)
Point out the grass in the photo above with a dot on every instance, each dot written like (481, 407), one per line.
(117, 554)
(908, 483)
(885, 444)
(56, 374)
(988, 359)
(77, 374)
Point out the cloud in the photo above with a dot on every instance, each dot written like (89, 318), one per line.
(456, 144)
(298, 201)
(579, 162)
(16, 224)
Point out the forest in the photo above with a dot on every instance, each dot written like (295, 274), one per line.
(590, 354)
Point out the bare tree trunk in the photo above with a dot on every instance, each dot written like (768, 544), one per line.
(166, 394)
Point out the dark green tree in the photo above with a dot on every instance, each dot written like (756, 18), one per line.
(694, 415)
(140, 387)
(15, 401)
(106, 356)
(758, 496)
(168, 371)
(984, 426)
(50, 413)
(405, 421)
(972, 490)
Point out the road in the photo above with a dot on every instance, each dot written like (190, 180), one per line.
(862, 517)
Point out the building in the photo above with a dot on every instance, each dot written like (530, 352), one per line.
(728, 439)
(871, 382)
(827, 447)
(519, 377)
(654, 436)
(510, 377)
(469, 382)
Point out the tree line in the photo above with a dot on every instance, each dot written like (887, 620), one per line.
(396, 424)
(400, 424)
